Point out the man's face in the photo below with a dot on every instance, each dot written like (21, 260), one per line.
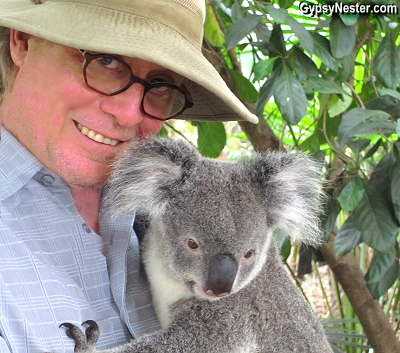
(50, 104)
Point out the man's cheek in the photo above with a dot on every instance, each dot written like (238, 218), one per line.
(149, 126)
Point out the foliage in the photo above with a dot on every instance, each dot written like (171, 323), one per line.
(334, 79)
(340, 333)
(328, 86)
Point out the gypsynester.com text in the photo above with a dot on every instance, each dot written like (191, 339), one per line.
(315, 10)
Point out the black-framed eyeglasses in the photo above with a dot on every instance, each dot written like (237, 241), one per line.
(110, 75)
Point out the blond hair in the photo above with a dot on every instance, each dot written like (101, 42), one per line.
(6, 63)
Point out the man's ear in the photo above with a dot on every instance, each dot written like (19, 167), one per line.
(18, 46)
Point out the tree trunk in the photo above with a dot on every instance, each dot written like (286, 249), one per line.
(261, 136)
(371, 316)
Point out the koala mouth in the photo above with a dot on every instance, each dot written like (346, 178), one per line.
(208, 294)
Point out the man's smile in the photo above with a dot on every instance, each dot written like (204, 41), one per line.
(96, 136)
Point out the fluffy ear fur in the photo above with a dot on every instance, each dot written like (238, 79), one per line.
(146, 175)
(288, 185)
(290, 188)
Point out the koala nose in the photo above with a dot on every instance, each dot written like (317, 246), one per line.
(221, 275)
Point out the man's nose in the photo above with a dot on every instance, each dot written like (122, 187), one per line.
(125, 106)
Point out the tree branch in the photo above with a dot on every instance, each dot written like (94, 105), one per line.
(261, 135)
(371, 316)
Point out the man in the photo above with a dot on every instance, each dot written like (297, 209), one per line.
(79, 80)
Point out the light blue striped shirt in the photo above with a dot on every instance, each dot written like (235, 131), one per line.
(54, 268)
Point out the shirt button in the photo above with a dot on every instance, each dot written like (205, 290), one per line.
(86, 228)
(47, 180)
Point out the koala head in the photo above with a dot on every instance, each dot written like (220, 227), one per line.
(212, 221)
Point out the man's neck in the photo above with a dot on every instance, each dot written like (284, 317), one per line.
(87, 201)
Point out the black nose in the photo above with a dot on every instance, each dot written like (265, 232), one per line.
(221, 274)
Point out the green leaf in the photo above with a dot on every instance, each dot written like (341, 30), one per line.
(263, 35)
(358, 145)
(305, 38)
(322, 85)
(389, 92)
(212, 31)
(347, 238)
(383, 271)
(349, 19)
(304, 67)
(338, 106)
(279, 15)
(373, 149)
(211, 138)
(373, 219)
(361, 122)
(285, 4)
(396, 151)
(276, 46)
(322, 50)
(240, 29)
(381, 176)
(163, 132)
(263, 68)
(227, 3)
(347, 65)
(236, 11)
(386, 103)
(351, 194)
(343, 38)
(246, 89)
(265, 94)
(387, 62)
(283, 242)
(395, 190)
(289, 95)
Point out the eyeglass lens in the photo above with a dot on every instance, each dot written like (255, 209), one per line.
(110, 75)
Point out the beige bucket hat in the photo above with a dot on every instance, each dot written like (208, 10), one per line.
(166, 32)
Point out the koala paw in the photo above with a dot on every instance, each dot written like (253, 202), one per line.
(84, 342)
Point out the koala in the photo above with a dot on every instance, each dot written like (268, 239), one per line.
(216, 277)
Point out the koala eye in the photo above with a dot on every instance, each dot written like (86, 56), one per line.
(248, 255)
(192, 244)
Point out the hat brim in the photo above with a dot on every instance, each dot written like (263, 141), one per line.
(86, 26)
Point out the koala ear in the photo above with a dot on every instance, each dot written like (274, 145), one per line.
(291, 189)
(147, 174)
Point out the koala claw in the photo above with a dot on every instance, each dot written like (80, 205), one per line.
(92, 332)
(84, 342)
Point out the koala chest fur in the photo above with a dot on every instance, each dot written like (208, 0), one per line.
(166, 289)
(216, 278)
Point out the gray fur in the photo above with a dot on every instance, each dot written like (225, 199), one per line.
(230, 210)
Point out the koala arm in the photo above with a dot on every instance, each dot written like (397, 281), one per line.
(277, 320)
(187, 333)
(85, 342)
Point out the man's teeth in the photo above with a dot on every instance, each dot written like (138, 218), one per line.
(96, 136)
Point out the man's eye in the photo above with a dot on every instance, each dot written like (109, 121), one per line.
(109, 62)
(158, 80)
(164, 78)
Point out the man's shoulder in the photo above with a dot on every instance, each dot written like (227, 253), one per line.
(17, 165)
